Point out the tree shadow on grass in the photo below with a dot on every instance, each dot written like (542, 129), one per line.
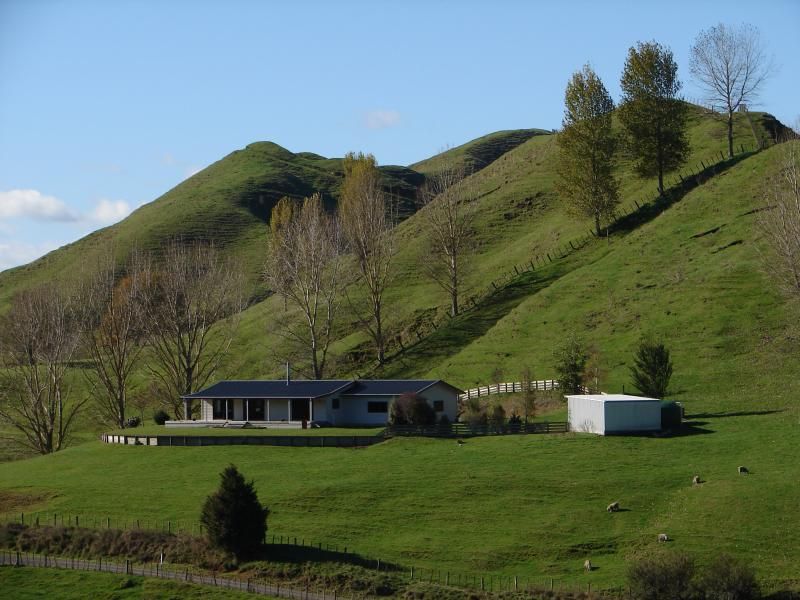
(290, 553)
(649, 211)
(474, 322)
(740, 413)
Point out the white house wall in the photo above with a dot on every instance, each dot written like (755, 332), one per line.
(447, 395)
(585, 415)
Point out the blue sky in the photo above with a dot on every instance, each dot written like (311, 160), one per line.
(106, 105)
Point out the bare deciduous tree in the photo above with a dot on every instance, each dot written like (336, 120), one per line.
(780, 223)
(193, 299)
(367, 215)
(113, 332)
(40, 335)
(303, 267)
(731, 65)
(447, 198)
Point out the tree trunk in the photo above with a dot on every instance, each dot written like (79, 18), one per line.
(730, 134)
(597, 224)
(379, 342)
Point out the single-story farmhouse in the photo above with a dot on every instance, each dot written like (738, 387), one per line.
(335, 402)
(613, 413)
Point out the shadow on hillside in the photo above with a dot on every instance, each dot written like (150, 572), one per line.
(651, 210)
(472, 323)
(290, 553)
(740, 413)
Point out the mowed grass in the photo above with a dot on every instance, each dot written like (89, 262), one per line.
(526, 505)
(27, 583)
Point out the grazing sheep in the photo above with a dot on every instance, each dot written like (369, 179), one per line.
(613, 507)
(663, 537)
(743, 471)
(587, 566)
(460, 442)
(696, 480)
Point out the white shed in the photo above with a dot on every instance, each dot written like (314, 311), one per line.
(613, 413)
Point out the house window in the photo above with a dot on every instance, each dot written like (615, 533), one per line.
(255, 409)
(377, 407)
(438, 405)
(219, 409)
(335, 404)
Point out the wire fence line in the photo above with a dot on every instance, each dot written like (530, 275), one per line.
(264, 586)
(695, 173)
(255, 585)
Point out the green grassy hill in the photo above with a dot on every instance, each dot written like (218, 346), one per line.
(687, 271)
(228, 203)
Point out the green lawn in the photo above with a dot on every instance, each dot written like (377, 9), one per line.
(27, 583)
(527, 505)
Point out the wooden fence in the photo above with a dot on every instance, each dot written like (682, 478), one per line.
(294, 441)
(509, 388)
(466, 430)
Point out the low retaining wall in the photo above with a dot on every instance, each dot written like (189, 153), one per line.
(299, 441)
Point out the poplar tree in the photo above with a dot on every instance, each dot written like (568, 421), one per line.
(653, 117)
(367, 216)
(586, 148)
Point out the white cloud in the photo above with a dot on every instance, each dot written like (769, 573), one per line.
(110, 211)
(16, 253)
(381, 118)
(34, 205)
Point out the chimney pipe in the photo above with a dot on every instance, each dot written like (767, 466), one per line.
(288, 377)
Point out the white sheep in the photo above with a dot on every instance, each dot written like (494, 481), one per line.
(587, 566)
(743, 471)
(696, 480)
(663, 537)
(613, 507)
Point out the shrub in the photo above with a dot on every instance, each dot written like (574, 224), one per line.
(133, 422)
(473, 414)
(497, 417)
(666, 575)
(160, 417)
(570, 363)
(234, 517)
(652, 369)
(729, 578)
(411, 409)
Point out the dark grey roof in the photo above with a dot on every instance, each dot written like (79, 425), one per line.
(393, 387)
(272, 389)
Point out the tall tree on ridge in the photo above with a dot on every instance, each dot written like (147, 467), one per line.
(367, 215)
(731, 65)
(651, 113)
(586, 148)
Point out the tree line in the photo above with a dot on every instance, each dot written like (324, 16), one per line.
(729, 63)
(172, 314)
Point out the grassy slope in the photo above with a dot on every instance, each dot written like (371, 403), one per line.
(478, 153)
(518, 215)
